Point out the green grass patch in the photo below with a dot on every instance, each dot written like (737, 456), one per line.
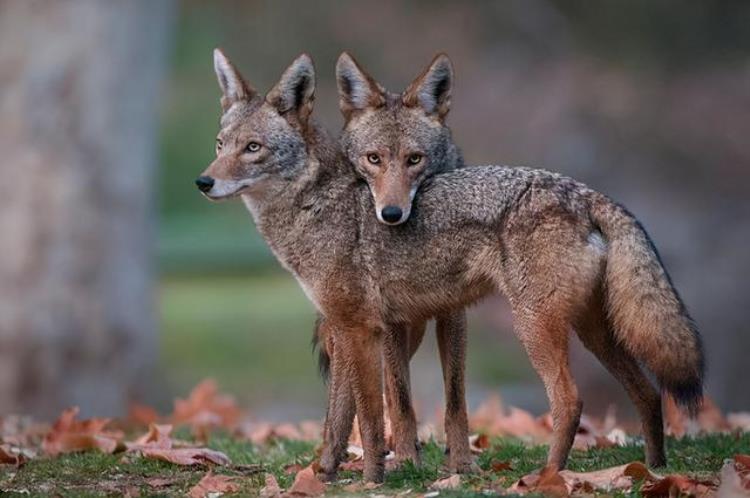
(96, 474)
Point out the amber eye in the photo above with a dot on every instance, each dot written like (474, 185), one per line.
(219, 144)
(253, 147)
(373, 158)
(414, 159)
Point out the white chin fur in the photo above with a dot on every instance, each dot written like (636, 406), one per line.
(226, 188)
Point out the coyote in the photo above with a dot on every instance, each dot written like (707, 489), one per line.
(394, 180)
(565, 256)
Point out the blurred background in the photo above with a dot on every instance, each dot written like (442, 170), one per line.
(119, 283)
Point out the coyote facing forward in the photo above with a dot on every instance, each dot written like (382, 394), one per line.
(565, 256)
(394, 177)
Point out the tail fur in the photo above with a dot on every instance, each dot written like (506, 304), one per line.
(647, 314)
(318, 342)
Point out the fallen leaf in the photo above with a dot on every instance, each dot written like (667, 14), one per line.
(158, 436)
(676, 485)
(292, 469)
(69, 435)
(211, 484)
(161, 482)
(8, 456)
(142, 415)
(491, 418)
(186, 456)
(735, 481)
(205, 408)
(479, 442)
(547, 481)
(452, 482)
(499, 466)
(306, 484)
(739, 421)
(271, 488)
(606, 480)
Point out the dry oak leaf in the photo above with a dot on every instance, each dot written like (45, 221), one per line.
(271, 489)
(205, 407)
(157, 444)
(144, 415)
(306, 484)
(491, 418)
(678, 485)
(158, 436)
(8, 456)
(499, 466)
(548, 482)
(607, 480)
(735, 478)
(187, 456)
(69, 435)
(213, 485)
(452, 482)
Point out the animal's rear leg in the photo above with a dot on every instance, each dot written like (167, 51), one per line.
(546, 341)
(339, 415)
(451, 336)
(397, 351)
(598, 339)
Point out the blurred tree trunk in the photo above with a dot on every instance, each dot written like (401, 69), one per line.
(78, 127)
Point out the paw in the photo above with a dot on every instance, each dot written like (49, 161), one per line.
(465, 465)
(374, 473)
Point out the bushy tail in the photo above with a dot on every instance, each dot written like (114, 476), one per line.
(646, 312)
(318, 342)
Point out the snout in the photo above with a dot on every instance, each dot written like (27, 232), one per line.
(392, 214)
(204, 183)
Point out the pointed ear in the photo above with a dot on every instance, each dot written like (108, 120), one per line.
(233, 86)
(295, 91)
(357, 89)
(432, 89)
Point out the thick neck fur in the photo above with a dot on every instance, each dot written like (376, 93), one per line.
(286, 212)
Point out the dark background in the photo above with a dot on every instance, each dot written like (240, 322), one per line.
(646, 101)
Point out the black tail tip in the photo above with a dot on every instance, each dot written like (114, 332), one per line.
(688, 395)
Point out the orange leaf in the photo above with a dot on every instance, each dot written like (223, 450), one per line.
(499, 466)
(211, 483)
(142, 414)
(7, 456)
(187, 456)
(452, 482)
(271, 489)
(205, 408)
(306, 484)
(70, 435)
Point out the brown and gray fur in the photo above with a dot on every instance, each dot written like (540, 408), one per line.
(566, 257)
(394, 177)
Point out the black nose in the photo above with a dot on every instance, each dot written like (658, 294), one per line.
(391, 214)
(205, 183)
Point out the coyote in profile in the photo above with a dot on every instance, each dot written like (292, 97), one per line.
(566, 257)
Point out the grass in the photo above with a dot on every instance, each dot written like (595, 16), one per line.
(96, 474)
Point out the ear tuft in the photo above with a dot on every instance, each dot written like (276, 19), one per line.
(357, 89)
(295, 91)
(233, 86)
(432, 88)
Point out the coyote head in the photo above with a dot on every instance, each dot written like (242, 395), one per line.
(261, 144)
(396, 141)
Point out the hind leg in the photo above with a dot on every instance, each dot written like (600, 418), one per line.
(399, 345)
(451, 336)
(598, 338)
(545, 338)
